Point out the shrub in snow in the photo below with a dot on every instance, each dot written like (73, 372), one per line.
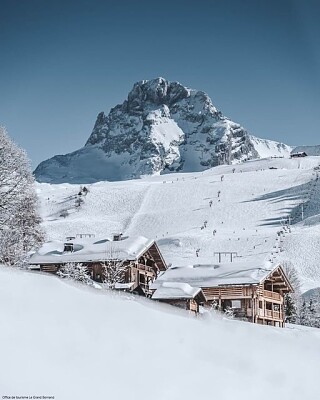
(20, 229)
(76, 272)
(214, 305)
(229, 312)
(64, 213)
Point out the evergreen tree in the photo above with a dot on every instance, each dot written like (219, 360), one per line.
(310, 312)
(290, 308)
(303, 315)
(292, 300)
(313, 313)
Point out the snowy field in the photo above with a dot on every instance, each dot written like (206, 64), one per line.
(79, 343)
(225, 209)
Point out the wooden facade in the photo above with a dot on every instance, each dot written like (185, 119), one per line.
(255, 292)
(189, 304)
(261, 303)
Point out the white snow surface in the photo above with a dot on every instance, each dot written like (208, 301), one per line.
(269, 148)
(236, 273)
(174, 290)
(254, 202)
(75, 342)
(91, 249)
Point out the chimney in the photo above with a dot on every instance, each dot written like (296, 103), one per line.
(117, 237)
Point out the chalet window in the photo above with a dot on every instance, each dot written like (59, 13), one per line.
(236, 303)
(268, 306)
(260, 304)
(68, 247)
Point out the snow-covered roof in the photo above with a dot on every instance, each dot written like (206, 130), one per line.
(175, 290)
(212, 275)
(91, 249)
(123, 286)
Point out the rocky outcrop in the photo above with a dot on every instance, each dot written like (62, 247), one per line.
(162, 127)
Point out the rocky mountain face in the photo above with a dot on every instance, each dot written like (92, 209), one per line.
(162, 127)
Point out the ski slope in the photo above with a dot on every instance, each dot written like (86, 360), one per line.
(249, 202)
(72, 342)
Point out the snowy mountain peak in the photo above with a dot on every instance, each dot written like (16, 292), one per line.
(162, 127)
(157, 91)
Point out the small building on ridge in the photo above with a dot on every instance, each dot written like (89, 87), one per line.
(298, 154)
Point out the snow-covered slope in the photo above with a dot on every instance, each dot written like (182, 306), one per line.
(76, 343)
(250, 203)
(162, 127)
(269, 148)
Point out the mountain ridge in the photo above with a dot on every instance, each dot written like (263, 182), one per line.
(161, 127)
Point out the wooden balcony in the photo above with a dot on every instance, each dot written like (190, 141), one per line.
(271, 295)
(273, 314)
(268, 314)
(143, 267)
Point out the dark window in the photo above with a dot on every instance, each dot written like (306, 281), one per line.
(68, 247)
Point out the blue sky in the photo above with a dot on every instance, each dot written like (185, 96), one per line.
(62, 62)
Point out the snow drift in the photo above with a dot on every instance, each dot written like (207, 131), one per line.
(76, 343)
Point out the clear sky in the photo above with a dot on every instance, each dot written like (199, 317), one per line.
(62, 62)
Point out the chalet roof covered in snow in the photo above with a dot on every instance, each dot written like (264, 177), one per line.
(91, 249)
(212, 275)
(175, 290)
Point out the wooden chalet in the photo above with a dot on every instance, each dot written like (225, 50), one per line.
(254, 292)
(140, 255)
(181, 295)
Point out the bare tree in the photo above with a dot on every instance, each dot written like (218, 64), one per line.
(114, 272)
(293, 276)
(19, 220)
